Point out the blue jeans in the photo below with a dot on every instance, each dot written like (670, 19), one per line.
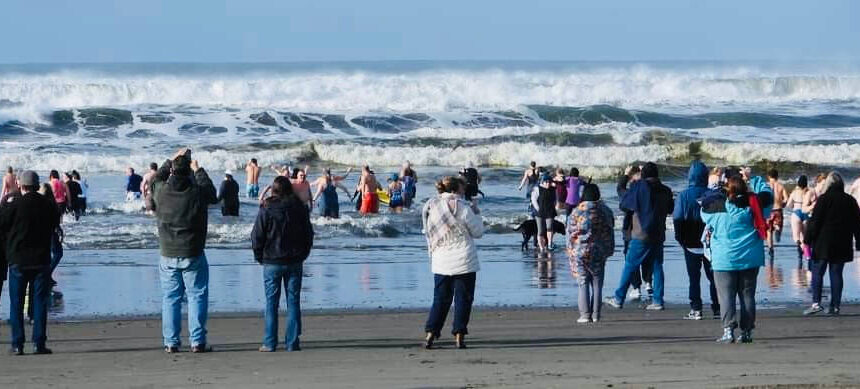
(818, 269)
(184, 277)
(56, 251)
(291, 278)
(639, 252)
(695, 263)
(461, 290)
(40, 279)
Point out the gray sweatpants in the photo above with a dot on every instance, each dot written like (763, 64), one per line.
(590, 293)
(737, 285)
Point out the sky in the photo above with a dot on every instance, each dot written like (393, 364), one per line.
(58, 31)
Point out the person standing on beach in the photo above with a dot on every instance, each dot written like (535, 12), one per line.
(831, 230)
(651, 202)
(10, 182)
(58, 235)
(182, 192)
(775, 221)
(282, 239)
(146, 187)
(252, 179)
(451, 225)
(591, 240)
(228, 195)
(688, 232)
(543, 202)
(643, 273)
(737, 227)
(27, 221)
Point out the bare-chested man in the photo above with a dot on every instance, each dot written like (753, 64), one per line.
(252, 180)
(367, 186)
(775, 221)
(10, 182)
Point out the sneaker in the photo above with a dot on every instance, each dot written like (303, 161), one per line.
(584, 319)
(171, 349)
(746, 336)
(728, 336)
(649, 289)
(266, 349)
(815, 308)
(654, 307)
(16, 351)
(832, 311)
(634, 294)
(201, 348)
(42, 350)
(694, 315)
(612, 302)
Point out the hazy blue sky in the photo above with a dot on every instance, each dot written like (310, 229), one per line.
(300, 30)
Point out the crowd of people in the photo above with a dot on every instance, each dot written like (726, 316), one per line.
(724, 222)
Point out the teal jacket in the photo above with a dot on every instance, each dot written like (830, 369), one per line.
(735, 244)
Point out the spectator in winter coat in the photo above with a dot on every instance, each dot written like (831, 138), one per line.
(282, 239)
(591, 240)
(451, 224)
(688, 232)
(830, 231)
(737, 227)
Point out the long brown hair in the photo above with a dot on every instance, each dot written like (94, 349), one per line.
(282, 189)
(449, 184)
(736, 186)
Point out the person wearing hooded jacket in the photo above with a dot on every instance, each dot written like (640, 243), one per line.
(182, 193)
(736, 228)
(282, 239)
(688, 232)
(651, 202)
(830, 231)
(228, 195)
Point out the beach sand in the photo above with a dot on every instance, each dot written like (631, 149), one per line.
(507, 348)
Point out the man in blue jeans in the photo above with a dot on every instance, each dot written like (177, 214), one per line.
(689, 227)
(282, 239)
(27, 222)
(650, 201)
(182, 193)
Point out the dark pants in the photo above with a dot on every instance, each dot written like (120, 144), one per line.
(737, 285)
(818, 269)
(695, 263)
(40, 279)
(644, 272)
(461, 290)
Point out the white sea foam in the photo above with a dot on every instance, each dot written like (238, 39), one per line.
(428, 91)
(740, 153)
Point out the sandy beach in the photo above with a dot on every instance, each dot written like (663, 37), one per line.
(507, 348)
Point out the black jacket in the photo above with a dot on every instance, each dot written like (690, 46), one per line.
(28, 222)
(182, 209)
(228, 195)
(834, 224)
(283, 233)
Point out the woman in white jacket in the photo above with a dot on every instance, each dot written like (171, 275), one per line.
(451, 226)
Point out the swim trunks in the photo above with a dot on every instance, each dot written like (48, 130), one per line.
(253, 190)
(369, 203)
(774, 223)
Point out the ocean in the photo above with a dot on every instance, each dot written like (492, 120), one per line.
(99, 119)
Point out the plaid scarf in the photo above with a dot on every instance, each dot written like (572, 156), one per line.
(440, 222)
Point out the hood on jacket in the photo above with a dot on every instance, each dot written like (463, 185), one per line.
(698, 175)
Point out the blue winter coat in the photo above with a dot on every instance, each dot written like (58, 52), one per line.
(687, 216)
(735, 244)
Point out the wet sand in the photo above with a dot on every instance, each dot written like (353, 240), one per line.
(508, 348)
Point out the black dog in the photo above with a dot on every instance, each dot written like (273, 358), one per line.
(529, 230)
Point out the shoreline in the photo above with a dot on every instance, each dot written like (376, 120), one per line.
(507, 348)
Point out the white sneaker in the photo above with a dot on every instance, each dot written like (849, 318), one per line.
(654, 307)
(694, 315)
(584, 319)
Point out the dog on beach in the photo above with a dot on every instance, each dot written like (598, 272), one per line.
(529, 230)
